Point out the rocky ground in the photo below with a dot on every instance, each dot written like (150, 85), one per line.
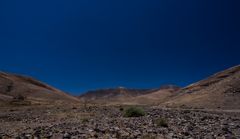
(108, 122)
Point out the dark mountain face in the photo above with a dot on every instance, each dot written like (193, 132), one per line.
(114, 93)
(120, 93)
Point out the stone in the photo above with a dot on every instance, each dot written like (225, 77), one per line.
(66, 136)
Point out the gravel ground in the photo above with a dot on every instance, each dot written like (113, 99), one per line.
(108, 122)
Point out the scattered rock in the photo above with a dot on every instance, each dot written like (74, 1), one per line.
(109, 122)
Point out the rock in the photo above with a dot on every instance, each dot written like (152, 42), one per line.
(108, 122)
(50, 134)
(66, 136)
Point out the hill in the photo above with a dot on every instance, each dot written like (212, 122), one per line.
(14, 86)
(163, 94)
(221, 90)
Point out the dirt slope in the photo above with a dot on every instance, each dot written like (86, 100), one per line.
(157, 97)
(12, 85)
(221, 90)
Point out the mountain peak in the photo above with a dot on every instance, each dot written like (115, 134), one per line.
(121, 87)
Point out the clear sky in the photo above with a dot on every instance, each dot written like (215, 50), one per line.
(80, 45)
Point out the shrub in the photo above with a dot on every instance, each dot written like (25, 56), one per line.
(19, 100)
(161, 122)
(121, 108)
(74, 108)
(85, 120)
(19, 97)
(134, 112)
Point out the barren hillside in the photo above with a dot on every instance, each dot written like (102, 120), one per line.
(114, 93)
(131, 96)
(12, 86)
(221, 90)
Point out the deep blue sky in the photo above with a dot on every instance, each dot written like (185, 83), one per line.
(80, 45)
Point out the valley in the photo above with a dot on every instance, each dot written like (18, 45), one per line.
(210, 108)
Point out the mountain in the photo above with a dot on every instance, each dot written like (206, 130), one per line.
(221, 90)
(114, 93)
(14, 86)
(123, 95)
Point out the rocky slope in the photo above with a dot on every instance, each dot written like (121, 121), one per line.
(13, 86)
(131, 96)
(114, 93)
(221, 90)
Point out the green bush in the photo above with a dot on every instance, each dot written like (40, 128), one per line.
(121, 108)
(85, 120)
(134, 112)
(161, 122)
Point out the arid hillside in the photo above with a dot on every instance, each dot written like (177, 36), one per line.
(14, 87)
(114, 93)
(163, 94)
(131, 96)
(221, 90)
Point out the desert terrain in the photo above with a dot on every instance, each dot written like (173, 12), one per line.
(208, 109)
(110, 122)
